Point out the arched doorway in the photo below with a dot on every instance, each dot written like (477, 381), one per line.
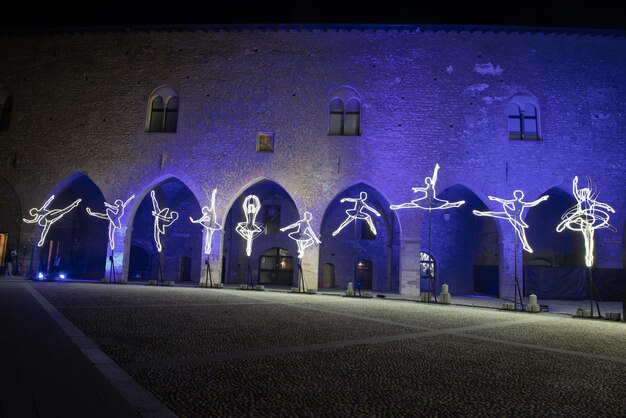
(277, 210)
(464, 245)
(328, 275)
(356, 241)
(76, 245)
(276, 267)
(181, 241)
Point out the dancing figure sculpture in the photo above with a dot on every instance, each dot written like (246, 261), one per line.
(303, 234)
(113, 214)
(45, 217)
(585, 217)
(209, 222)
(250, 229)
(429, 200)
(357, 212)
(513, 212)
(162, 219)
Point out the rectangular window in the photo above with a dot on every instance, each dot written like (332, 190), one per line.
(352, 124)
(265, 142)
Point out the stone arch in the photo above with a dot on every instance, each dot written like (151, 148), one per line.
(77, 243)
(467, 247)
(382, 249)
(277, 210)
(181, 240)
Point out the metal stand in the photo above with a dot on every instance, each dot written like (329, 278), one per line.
(593, 291)
(208, 273)
(517, 291)
(301, 287)
(160, 271)
(249, 283)
(357, 281)
(112, 278)
(432, 280)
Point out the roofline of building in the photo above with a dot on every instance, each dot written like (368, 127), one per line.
(290, 27)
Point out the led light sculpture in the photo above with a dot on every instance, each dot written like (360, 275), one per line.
(513, 211)
(162, 219)
(357, 213)
(250, 229)
(209, 222)
(45, 217)
(303, 234)
(585, 217)
(113, 214)
(429, 201)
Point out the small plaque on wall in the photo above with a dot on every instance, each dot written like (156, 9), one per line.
(265, 142)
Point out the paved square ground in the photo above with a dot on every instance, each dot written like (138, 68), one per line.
(223, 352)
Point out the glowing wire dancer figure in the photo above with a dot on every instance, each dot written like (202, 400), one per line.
(357, 212)
(45, 217)
(162, 219)
(429, 200)
(113, 214)
(513, 210)
(303, 234)
(586, 216)
(208, 221)
(250, 229)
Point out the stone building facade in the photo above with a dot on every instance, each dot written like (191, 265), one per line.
(304, 117)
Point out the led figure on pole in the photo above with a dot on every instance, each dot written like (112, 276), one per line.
(429, 201)
(513, 210)
(250, 229)
(162, 219)
(209, 221)
(304, 237)
(113, 214)
(45, 217)
(585, 217)
(355, 214)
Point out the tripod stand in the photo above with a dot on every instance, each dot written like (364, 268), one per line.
(112, 277)
(357, 280)
(301, 286)
(249, 283)
(593, 294)
(160, 270)
(516, 291)
(208, 273)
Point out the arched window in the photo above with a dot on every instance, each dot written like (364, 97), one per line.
(345, 113)
(163, 110)
(523, 118)
(6, 106)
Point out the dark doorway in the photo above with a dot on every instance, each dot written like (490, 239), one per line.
(276, 267)
(140, 265)
(364, 273)
(185, 269)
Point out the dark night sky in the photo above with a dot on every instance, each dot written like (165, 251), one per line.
(20, 14)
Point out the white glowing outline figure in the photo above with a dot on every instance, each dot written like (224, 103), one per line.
(586, 216)
(45, 217)
(303, 234)
(429, 197)
(162, 219)
(113, 214)
(357, 212)
(250, 229)
(513, 210)
(208, 222)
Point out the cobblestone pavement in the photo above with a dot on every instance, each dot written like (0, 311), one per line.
(226, 352)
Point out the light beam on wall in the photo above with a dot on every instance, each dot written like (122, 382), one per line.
(209, 222)
(357, 213)
(45, 217)
(250, 229)
(586, 216)
(513, 210)
(303, 234)
(113, 214)
(162, 219)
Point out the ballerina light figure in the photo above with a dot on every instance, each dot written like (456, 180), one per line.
(113, 214)
(250, 229)
(513, 211)
(303, 234)
(586, 216)
(162, 219)
(208, 221)
(428, 200)
(45, 217)
(357, 212)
